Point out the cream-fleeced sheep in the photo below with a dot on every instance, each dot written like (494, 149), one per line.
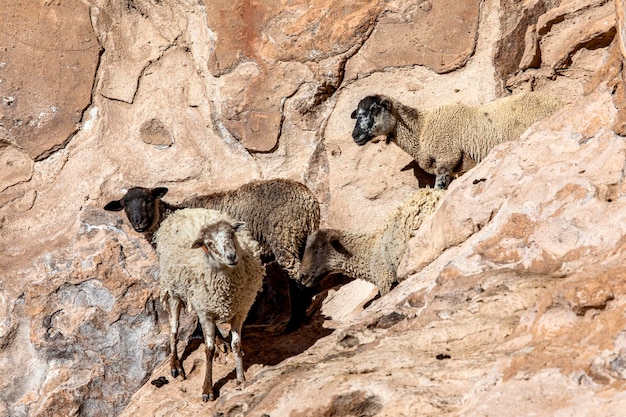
(373, 257)
(440, 138)
(209, 262)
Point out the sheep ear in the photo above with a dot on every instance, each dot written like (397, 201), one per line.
(336, 244)
(353, 115)
(115, 205)
(198, 243)
(238, 226)
(385, 103)
(158, 192)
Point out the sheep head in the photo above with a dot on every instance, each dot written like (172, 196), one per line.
(140, 205)
(324, 255)
(219, 242)
(374, 117)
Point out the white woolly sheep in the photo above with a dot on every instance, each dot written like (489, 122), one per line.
(219, 282)
(439, 139)
(373, 257)
(280, 214)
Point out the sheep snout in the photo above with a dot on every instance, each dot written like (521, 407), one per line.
(231, 259)
(137, 218)
(219, 241)
(308, 280)
(362, 130)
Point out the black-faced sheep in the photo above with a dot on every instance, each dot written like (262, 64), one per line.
(219, 281)
(373, 257)
(439, 139)
(280, 214)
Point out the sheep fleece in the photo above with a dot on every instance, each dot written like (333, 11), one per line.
(184, 272)
(404, 221)
(377, 255)
(279, 213)
(446, 131)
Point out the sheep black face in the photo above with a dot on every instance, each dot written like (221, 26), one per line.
(324, 255)
(140, 205)
(373, 118)
(220, 243)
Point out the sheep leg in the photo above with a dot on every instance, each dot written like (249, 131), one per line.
(235, 344)
(174, 306)
(208, 327)
(288, 261)
(299, 296)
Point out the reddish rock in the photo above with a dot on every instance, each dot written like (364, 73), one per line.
(440, 35)
(516, 20)
(47, 73)
(16, 167)
(511, 294)
(568, 29)
(268, 34)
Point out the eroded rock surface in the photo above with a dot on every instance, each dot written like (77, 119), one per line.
(512, 293)
(47, 72)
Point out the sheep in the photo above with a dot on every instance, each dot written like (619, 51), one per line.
(280, 214)
(441, 138)
(219, 282)
(373, 257)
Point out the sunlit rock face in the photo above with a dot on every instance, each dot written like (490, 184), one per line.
(511, 294)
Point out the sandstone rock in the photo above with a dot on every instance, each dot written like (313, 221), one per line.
(620, 124)
(561, 43)
(270, 35)
(154, 133)
(16, 167)
(136, 35)
(439, 35)
(512, 293)
(620, 12)
(562, 37)
(89, 320)
(516, 19)
(341, 305)
(40, 115)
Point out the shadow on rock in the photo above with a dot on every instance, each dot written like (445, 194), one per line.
(266, 344)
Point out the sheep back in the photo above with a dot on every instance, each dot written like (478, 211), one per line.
(374, 257)
(185, 273)
(280, 214)
(380, 272)
(403, 222)
(474, 130)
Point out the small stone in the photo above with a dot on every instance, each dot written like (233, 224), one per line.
(160, 381)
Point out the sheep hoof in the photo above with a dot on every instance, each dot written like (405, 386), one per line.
(178, 371)
(208, 397)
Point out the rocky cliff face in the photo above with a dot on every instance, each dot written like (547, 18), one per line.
(512, 295)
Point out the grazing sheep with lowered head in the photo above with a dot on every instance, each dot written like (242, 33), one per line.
(219, 281)
(440, 138)
(373, 257)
